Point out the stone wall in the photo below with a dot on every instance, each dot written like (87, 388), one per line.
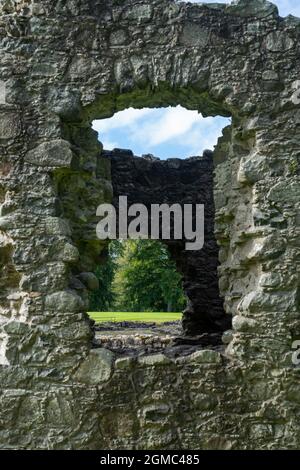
(63, 64)
(149, 181)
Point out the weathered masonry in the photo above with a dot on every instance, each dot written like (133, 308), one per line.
(65, 63)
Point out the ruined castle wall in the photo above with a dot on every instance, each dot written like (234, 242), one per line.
(63, 64)
(152, 181)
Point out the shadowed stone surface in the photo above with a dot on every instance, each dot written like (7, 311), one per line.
(63, 64)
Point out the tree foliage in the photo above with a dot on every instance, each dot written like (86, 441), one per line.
(146, 279)
(138, 276)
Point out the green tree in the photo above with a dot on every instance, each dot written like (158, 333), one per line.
(146, 278)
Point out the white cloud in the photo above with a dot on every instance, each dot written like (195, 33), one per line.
(204, 135)
(287, 7)
(125, 118)
(173, 123)
(154, 126)
(166, 132)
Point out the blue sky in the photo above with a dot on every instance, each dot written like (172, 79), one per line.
(169, 132)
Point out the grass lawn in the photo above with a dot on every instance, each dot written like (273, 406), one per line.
(157, 317)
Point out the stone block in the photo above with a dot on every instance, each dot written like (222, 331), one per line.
(68, 253)
(89, 280)
(9, 125)
(279, 41)
(64, 301)
(56, 226)
(194, 35)
(243, 324)
(252, 169)
(139, 13)
(125, 362)
(96, 368)
(206, 356)
(227, 336)
(204, 402)
(154, 360)
(54, 153)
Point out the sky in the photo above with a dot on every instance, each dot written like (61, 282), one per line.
(169, 132)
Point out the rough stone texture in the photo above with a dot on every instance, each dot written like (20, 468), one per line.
(63, 64)
(97, 367)
(152, 181)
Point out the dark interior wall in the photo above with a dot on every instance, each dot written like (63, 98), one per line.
(147, 180)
